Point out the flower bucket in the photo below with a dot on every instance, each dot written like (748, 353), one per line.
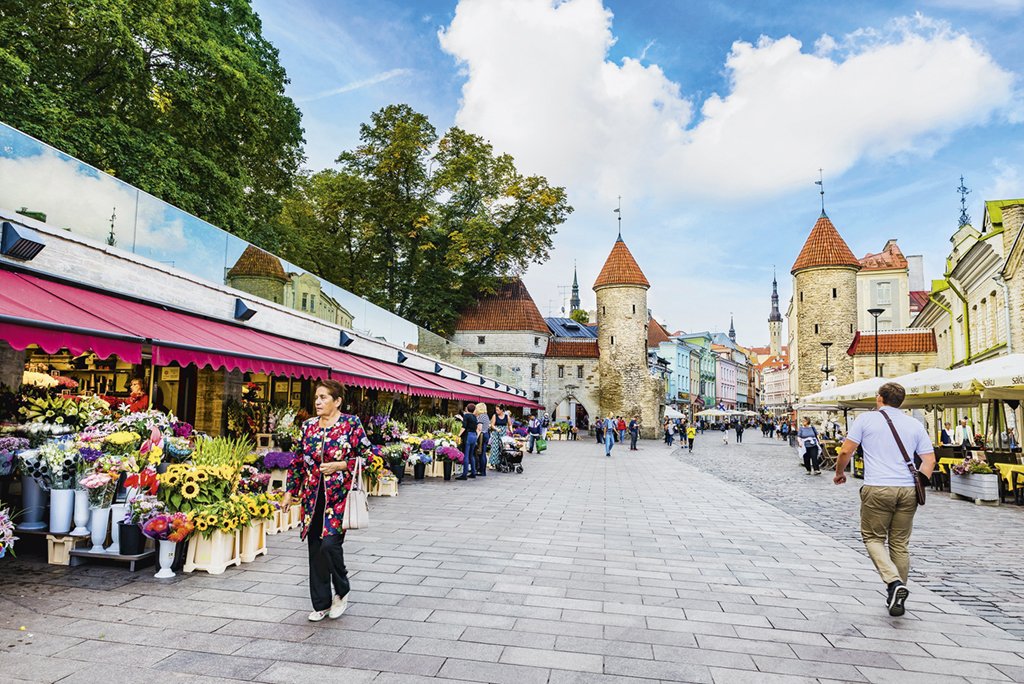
(214, 554)
(165, 558)
(81, 513)
(130, 540)
(294, 516)
(447, 469)
(418, 471)
(33, 501)
(253, 538)
(98, 524)
(62, 510)
(435, 468)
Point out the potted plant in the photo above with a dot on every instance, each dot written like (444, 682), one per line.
(451, 456)
(167, 529)
(974, 479)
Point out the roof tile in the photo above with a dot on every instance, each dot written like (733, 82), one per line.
(621, 269)
(256, 263)
(890, 258)
(572, 349)
(824, 247)
(510, 308)
(656, 334)
(894, 342)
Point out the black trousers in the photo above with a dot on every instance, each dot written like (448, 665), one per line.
(811, 459)
(326, 561)
(632, 440)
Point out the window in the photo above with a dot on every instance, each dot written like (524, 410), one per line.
(533, 370)
(815, 328)
(916, 367)
(604, 311)
(883, 293)
(305, 301)
(536, 341)
(801, 296)
(536, 394)
(480, 368)
(834, 294)
(881, 370)
(312, 302)
(481, 339)
(851, 328)
(579, 372)
(613, 339)
(634, 308)
(561, 371)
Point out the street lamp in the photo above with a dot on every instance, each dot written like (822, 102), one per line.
(825, 369)
(876, 313)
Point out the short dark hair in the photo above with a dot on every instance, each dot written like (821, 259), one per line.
(333, 387)
(892, 394)
(470, 408)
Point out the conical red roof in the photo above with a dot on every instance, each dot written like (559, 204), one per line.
(510, 308)
(824, 247)
(621, 269)
(256, 263)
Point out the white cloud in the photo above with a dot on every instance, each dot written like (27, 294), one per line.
(1007, 182)
(540, 85)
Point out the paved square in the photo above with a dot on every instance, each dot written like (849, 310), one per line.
(636, 568)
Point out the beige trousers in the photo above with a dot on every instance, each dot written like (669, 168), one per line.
(886, 520)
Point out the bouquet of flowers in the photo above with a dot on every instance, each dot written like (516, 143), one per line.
(121, 443)
(396, 454)
(7, 537)
(451, 454)
(146, 480)
(231, 513)
(35, 466)
(173, 527)
(420, 457)
(427, 446)
(273, 460)
(9, 447)
(141, 508)
(60, 410)
(62, 461)
(101, 487)
(253, 481)
(970, 466)
(143, 423)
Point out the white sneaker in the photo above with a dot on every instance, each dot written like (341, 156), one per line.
(338, 607)
(317, 615)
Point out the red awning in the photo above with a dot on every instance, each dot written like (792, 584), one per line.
(351, 369)
(418, 386)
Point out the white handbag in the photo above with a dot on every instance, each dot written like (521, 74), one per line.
(357, 510)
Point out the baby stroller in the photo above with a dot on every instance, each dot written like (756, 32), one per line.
(510, 458)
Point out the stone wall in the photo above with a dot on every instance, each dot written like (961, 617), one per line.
(213, 390)
(12, 366)
(627, 387)
(836, 318)
(266, 288)
(1013, 218)
(585, 391)
(893, 365)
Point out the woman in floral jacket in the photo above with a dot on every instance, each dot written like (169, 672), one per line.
(320, 477)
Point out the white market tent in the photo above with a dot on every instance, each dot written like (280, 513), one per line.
(673, 414)
(998, 378)
(715, 413)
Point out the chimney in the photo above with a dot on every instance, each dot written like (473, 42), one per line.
(915, 272)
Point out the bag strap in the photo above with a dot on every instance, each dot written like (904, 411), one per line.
(899, 443)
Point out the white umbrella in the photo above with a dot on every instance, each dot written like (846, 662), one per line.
(713, 413)
(672, 413)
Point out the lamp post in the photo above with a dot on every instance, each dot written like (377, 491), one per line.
(876, 313)
(825, 369)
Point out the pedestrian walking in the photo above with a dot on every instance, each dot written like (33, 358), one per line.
(691, 434)
(809, 445)
(609, 436)
(634, 432)
(599, 429)
(469, 434)
(320, 479)
(545, 424)
(533, 433)
(889, 439)
(483, 440)
(621, 427)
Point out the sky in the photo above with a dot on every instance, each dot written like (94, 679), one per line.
(710, 120)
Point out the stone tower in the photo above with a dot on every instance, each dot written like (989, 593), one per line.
(824, 306)
(627, 387)
(775, 322)
(258, 273)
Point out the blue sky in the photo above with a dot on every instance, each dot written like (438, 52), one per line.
(711, 119)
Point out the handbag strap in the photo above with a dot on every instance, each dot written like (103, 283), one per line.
(357, 475)
(899, 443)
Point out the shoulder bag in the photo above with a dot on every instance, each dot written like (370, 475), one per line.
(357, 511)
(919, 479)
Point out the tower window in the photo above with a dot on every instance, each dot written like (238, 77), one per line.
(815, 328)
(480, 368)
(305, 301)
(834, 293)
(579, 372)
(801, 296)
(561, 371)
(604, 311)
(536, 341)
(533, 370)
(634, 308)
(851, 328)
(613, 339)
(481, 339)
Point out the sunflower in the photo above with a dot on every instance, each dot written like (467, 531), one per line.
(190, 490)
(201, 525)
(201, 474)
(171, 479)
(230, 525)
(211, 519)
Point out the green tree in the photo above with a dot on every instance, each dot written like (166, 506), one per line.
(580, 316)
(182, 98)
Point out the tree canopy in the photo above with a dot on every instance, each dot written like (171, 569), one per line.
(182, 98)
(420, 225)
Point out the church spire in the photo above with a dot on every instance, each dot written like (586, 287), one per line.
(732, 329)
(776, 315)
(574, 302)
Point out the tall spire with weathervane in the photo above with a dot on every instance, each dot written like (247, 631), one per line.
(574, 302)
(775, 321)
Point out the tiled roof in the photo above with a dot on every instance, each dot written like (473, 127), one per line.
(510, 308)
(888, 259)
(256, 263)
(566, 327)
(918, 300)
(621, 269)
(572, 349)
(824, 247)
(656, 334)
(893, 342)
(774, 362)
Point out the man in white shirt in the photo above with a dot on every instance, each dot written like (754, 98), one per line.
(888, 499)
(963, 436)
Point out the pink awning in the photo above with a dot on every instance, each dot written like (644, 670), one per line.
(418, 386)
(350, 369)
(465, 391)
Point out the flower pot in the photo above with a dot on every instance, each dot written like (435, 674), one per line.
(398, 471)
(116, 516)
(978, 487)
(33, 501)
(214, 554)
(62, 510)
(130, 540)
(98, 521)
(253, 539)
(81, 513)
(165, 558)
(419, 470)
(447, 469)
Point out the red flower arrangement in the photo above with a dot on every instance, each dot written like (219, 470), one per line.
(173, 527)
(145, 480)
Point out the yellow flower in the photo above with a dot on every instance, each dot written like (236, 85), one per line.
(190, 490)
(201, 474)
(201, 525)
(211, 519)
(171, 479)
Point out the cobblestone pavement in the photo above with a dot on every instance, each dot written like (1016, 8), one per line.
(973, 555)
(636, 568)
